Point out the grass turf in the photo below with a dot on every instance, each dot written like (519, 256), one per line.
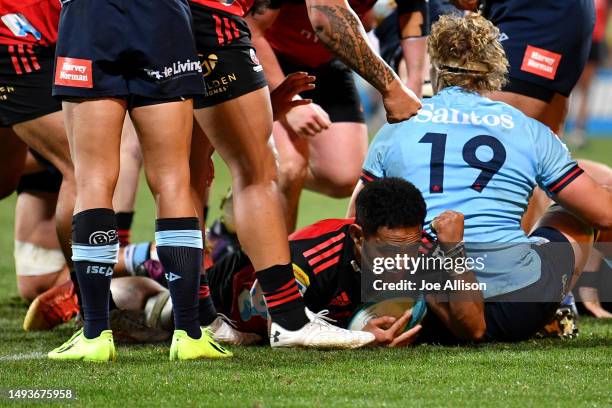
(533, 373)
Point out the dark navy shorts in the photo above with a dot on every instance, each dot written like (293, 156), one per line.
(510, 320)
(547, 43)
(127, 49)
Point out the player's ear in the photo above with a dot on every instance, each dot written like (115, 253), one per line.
(356, 233)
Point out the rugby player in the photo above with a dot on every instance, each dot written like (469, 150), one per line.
(326, 259)
(235, 116)
(326, 39)
(137, 57)
(39, 262)
(484, 158)
(547, 45)
(29, 115)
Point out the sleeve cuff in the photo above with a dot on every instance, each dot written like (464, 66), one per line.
(560, 183)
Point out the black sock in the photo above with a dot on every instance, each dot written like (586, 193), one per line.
(124, 226)
(283, 298)
(179, 247)
(208, 313)
(94, 252)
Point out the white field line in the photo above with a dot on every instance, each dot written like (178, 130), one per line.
(28, 356)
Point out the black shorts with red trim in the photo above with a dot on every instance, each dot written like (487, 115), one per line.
(547, 43)
(140, 50)
(229, 62)
(26, 74)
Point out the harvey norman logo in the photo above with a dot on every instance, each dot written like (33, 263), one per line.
(457, 117)
(176, 69)
(541, 62)
(73, 72)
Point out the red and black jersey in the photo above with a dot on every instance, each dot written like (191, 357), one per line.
(29, 22)
(292, 34)
(236, 7)
(324, 251)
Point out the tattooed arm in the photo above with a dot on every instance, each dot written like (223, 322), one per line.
(340, 30)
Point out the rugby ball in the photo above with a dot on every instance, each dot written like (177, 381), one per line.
(391, 307)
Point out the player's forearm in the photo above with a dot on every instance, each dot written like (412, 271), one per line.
(414, 55)
(461, 312)
(340, 30)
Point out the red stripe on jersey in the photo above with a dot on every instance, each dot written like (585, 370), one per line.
(33, 58)
(218, 29)
(326, 254)
(11, 50)
(24, 59)
(561, 182)
(324, 245)
(280, 302)
(228, 32)
(326, 265)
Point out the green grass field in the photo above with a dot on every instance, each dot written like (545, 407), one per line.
(534, 373)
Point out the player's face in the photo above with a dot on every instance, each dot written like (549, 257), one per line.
(397, 237)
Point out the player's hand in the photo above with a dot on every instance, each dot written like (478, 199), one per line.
(449, 227)
(470, 5)
(388, 330)
(284, 96)
(400, 102)
(308, 120)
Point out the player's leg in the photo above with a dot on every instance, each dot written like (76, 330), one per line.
(12, 156)
(39, 262)
(165, 136)
(47, 136)
(241, 140)
(293, 157)
(94, 237)
(127, 186)
(336, 157)
(577, 232)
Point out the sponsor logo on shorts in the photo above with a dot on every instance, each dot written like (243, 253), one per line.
(257, 67)
(73, 72)
(209, 64)
(541, 62)
(503, 37)
(176, 70)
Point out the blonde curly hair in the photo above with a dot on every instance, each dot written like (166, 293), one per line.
(465, 52)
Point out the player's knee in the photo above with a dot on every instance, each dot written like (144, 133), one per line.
(255, 171)
(293, 172)
(338, 185)
(36, 268)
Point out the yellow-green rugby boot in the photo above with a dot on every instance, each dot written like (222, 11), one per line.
(79, 347)
(185, 348)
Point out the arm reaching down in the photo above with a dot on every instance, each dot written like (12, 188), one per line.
(340, 30)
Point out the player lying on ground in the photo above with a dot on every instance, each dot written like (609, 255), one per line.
(326, 258)
(484, 158)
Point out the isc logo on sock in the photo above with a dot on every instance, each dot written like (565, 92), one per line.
(171, 277)
(100, 270)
